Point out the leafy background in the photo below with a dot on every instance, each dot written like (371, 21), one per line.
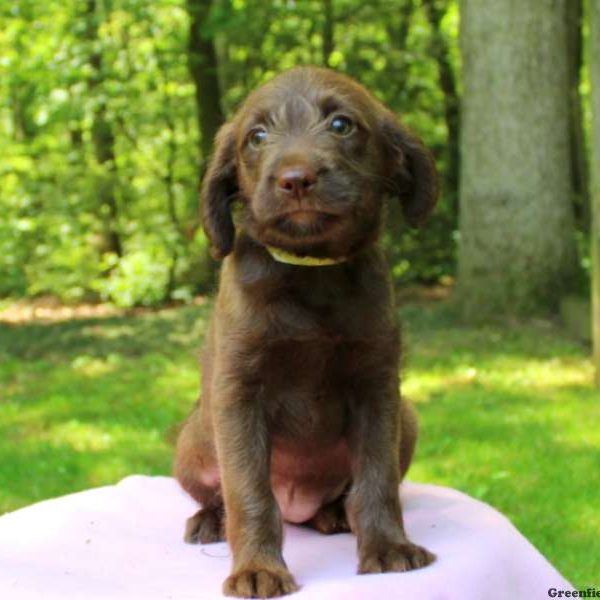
(102, 142)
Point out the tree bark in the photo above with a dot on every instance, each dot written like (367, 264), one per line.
(397, 27)
(328, 31)
(440, 50)
(517, 250)
(594, 65)
(579, 163)
(203, 67)
(104, 141)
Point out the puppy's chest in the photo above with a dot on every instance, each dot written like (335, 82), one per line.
(306, 385)
(314, 347)
(313, 344)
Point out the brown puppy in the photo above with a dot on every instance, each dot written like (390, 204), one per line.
(300, 415)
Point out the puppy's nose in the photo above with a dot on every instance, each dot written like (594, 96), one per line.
(296, 181)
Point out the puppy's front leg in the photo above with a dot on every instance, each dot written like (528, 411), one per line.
(252, 518)
(374, 505)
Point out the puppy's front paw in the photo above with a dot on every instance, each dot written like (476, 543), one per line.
(260, 583)
(395, 557)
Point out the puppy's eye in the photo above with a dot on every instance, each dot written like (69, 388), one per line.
(341, 125)
(257, 137)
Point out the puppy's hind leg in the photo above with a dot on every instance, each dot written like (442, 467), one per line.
(409, 432)
(197, 471)
(331, 518)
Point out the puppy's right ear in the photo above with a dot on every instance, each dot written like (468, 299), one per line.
(412, 172)
(219, 190)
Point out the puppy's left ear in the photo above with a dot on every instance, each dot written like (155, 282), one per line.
(411, 172)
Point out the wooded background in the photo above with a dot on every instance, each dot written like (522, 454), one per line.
(108, 109)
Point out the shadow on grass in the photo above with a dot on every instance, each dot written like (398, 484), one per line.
(167, 331)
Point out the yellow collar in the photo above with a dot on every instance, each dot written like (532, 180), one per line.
(304, 261)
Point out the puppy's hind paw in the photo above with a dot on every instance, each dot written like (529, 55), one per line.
(331, 518)
(205, 527)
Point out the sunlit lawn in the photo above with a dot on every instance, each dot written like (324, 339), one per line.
(508, 414)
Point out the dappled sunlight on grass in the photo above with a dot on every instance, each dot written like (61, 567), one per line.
(82, 437)
(109, 333)
(94, 367)
(451, 362)
(422, 387)
(506, 371)
(549, 373)
(85, 403)
(509, 415)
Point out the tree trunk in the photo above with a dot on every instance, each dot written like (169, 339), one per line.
(202, 63)
(579, 163)
(328, 31)
(517, 249)
(203, 67)
(104, 141)
(440, 50)
(398, 26)
(594, 65)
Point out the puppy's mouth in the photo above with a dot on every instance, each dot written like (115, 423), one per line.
(306, 218)
(305, 223)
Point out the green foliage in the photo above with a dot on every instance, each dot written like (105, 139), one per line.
(508, 414)
(139, 278)
(99, 132)
(54, 236)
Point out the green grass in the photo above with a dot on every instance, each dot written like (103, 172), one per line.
(508, 414)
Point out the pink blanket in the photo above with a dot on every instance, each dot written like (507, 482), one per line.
(125, 542)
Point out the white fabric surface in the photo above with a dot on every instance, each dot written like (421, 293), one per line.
(125, 542)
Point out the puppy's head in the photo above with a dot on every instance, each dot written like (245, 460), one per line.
(310, 157)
